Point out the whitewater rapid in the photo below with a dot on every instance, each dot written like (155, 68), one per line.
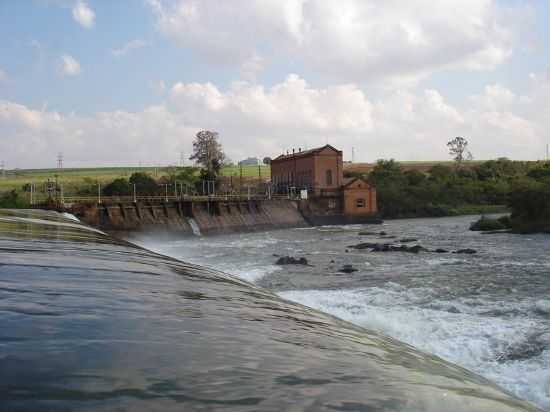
(488, 312)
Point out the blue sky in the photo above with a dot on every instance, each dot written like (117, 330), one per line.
(122, 82)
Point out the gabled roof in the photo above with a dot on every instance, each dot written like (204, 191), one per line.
(306, 152)
(351, 180)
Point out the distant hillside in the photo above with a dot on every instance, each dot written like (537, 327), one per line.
(421, 166)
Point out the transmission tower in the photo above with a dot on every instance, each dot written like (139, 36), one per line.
(60, 160)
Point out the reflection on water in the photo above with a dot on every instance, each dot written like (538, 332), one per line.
(89, 323)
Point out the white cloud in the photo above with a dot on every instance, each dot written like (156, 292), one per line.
(3, 76)
(83, 14)
(69, 65)
(131, 45)
(355, 40)
(264, 121)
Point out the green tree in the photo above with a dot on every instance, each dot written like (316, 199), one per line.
(13, 200)
(118, 187)
(458, 149)
(207, 152)
(145, 184)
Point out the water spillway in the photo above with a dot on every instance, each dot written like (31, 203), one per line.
(89, 322)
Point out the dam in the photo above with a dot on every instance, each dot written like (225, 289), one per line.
(211, 215)
(91, 322)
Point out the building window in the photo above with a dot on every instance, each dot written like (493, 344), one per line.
(329, 177)
(360, 203)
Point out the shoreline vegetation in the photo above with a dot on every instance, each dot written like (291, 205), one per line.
(496, 186)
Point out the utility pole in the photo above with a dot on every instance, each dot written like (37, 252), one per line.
(60, 160)
(3, 167)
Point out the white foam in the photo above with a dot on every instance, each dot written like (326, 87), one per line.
(468, 339)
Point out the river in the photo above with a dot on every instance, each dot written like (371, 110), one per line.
(488, 312)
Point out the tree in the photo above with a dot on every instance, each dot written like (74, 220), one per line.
(145, 184)
(267, 160)
(458, 149)
(118, 187)
(207, 152)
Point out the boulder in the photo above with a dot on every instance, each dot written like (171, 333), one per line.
(441, 251)
(416, 249)
(365, 245)
(348, 269)
(289, 260)
(466, 251)
(408, 240)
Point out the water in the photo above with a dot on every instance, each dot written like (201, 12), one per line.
(488, 312)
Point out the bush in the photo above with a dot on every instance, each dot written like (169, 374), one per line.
(486, 223)
(12, 200)
(145, 184)
(118, 187)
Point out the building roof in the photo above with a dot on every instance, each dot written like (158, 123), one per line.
(305, 153)
(348, 181)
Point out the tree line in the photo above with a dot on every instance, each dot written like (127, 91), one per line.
(445, 190)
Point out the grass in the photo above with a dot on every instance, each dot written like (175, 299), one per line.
(74, 180)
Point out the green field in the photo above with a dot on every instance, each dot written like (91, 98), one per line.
(74, 179)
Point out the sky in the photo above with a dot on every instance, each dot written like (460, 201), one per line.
(131, 82)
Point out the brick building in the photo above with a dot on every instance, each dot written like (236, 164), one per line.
(315, 170)
(320, 172)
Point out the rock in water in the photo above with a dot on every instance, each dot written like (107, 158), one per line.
(466, 251)
(348, 269)
(289, 260)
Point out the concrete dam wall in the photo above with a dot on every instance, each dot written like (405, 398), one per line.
(188, 218)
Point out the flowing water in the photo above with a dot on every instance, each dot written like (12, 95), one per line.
(488, 312)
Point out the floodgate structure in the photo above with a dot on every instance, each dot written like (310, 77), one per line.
(307, 188)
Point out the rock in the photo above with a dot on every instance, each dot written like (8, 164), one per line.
(332, 261)
(389, 237)
(466, 251)
(441, 251)
(408, 240)
(365, 245)
(348, 269)
(347, 250)
(416, 249)
(368, 233)
(289, 260)
(382, 233)
(388, 247)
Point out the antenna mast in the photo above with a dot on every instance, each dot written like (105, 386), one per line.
(60, 160)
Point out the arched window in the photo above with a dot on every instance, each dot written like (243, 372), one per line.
(329, 177)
